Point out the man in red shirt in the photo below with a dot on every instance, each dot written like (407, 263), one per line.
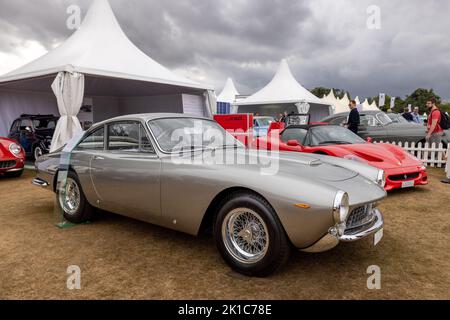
(435, 132)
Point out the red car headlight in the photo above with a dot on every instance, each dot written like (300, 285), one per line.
(16, 150)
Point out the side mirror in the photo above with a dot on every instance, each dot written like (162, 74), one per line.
(369, 139)
(293, 143)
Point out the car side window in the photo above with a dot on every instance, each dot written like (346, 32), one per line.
(15, 126)
(94, 141)
(294, 134)
(369, 120)
(145, 143)
(26, 123)
(129, 137)
(123, 136)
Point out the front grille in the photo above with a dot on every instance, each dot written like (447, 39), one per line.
(360, 216)
(404, 177)
(7, 164)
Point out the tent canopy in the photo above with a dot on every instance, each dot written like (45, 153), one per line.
(283, 88)
(119, 77)
(100, 48)
(228, 93)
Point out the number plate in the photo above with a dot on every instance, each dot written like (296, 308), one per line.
(377, 237)
(408, 184)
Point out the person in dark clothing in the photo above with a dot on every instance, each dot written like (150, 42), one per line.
(353, 119)
(407, 115)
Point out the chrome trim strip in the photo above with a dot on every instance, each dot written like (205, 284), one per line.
(40, 183)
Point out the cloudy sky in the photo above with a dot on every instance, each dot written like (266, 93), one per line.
(327, 42)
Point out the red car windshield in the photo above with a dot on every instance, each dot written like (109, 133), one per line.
(328, 135)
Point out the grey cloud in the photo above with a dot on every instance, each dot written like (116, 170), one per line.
(327, 42)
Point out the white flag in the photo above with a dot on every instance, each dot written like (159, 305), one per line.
(392, 102)
(382, 99)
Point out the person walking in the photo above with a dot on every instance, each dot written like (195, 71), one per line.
(353, 118)
(435, 132)
(416, 116)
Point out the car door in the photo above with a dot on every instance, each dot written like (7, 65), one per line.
(371, 127)
(26, 135)
(127, 174)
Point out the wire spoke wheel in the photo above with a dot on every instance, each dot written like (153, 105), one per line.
(70, 198)
(245, 235)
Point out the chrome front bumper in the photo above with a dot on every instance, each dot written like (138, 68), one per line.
(330, 241)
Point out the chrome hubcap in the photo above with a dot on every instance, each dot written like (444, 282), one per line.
(70, 197)
(245, 235)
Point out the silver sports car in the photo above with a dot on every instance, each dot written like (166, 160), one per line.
(189, 174)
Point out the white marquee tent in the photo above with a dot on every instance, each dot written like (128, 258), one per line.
(282, 94)
(100, 64)
(229, 92)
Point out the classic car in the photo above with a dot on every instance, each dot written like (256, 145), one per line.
(378, 126)
(12, 158)
(402, 169)
(34, 133)
(398, 118)
(261, 125)
(167, 169)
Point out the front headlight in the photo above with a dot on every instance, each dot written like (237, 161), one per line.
(381, 178)
(341, 207)
(15, 149)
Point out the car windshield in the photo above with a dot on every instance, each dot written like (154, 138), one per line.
(44, 124)
(180, 134)
(325, 135)
(383, 118)
(264, 122)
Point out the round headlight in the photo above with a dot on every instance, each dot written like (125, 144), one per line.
(15, 149)
(381, 178)
(341, 207)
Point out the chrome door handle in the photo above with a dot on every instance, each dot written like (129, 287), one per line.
(98, 158)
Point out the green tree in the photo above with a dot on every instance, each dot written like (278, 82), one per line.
(420, 97)
(321, 91)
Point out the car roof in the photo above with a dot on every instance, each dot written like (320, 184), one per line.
(149, 116)
(361, 113)
(37, 116)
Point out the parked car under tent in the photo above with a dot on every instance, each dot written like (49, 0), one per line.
(100, 67)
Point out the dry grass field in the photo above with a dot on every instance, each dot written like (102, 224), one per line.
(125, 259)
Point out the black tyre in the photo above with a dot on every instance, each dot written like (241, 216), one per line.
(72, 202)
(37, 152)
(249, 235)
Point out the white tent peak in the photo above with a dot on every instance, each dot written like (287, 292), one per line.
(283, 88)
(100, 47)
(228, 93)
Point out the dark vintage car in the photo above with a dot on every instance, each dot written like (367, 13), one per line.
(34, 133)
(380, 127)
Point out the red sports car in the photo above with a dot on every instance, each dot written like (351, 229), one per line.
(402, 169)
(12, 158)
